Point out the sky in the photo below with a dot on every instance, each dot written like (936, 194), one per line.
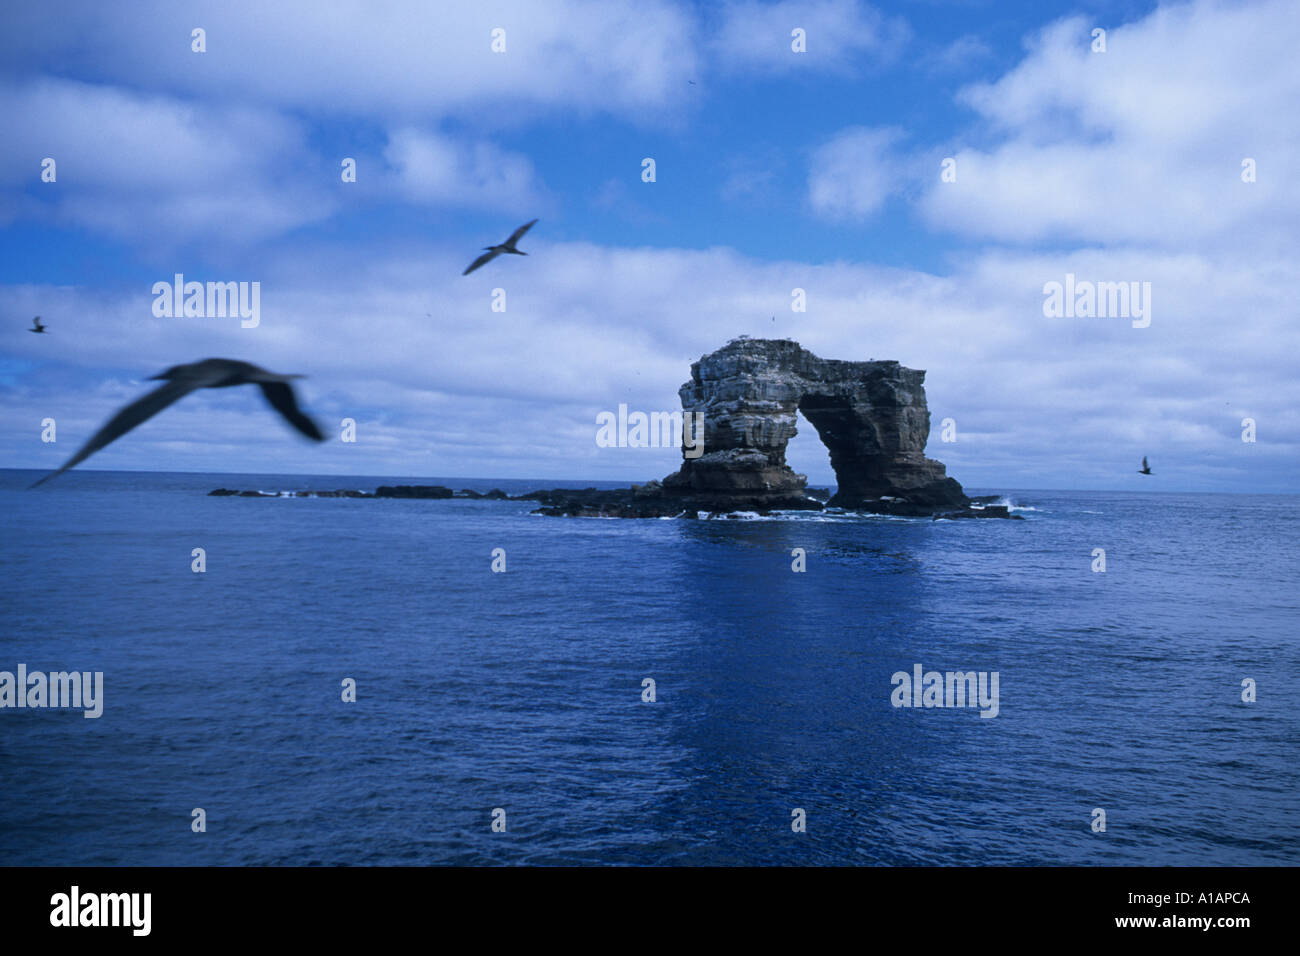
(923, 171)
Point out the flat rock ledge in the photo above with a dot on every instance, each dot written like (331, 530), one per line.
(651, 501)
(383, 491)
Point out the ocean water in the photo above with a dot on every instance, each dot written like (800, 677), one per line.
(523, 690)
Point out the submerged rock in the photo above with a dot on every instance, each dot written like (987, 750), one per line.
(496, 494)
(340, 493)
(413, 491)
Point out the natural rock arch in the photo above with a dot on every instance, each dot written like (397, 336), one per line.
(871, 416)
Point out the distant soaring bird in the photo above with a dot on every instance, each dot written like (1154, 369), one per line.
(1146, 469)
(183, 379)
(36, 325)
(507, 246)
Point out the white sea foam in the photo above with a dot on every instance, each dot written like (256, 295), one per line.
(1010, 505)
(799, 514)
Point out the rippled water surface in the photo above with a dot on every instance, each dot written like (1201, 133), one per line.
(523, 690)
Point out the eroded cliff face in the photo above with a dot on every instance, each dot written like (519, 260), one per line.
(871, 416)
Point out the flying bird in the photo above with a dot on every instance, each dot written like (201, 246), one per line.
(36, 325)
(183, 379)
(1146, 469)
(508, 246)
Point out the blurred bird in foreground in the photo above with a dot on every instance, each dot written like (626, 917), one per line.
(183, 379)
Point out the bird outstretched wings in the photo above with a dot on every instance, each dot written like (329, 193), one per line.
(282, 400)
(183, 379)
(508, 246)
(519, 233)
(481, 261)
(141, 410)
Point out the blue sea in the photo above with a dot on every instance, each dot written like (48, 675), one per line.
(522, 691)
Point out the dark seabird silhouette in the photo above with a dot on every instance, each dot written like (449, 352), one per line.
(36, 325)
(1146, 469)
(183, 379)
(507, 246)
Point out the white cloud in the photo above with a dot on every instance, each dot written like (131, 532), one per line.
(432, 168)
(137, 166)
(402, 61)
(1143, 142)
(852, 174)
(842, 36)
(161, 170)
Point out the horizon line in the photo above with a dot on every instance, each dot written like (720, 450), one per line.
(811, 485)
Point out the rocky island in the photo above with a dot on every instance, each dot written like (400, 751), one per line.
(871, 416)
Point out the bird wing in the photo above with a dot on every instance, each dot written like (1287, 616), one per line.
(141, 410)
(481, 260)
(1144, 462)
(519, 234)
(282, 400)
